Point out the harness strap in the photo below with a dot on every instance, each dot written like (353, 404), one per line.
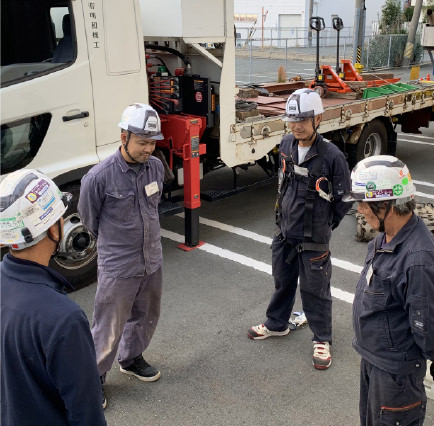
(312, 247)
(311, 188)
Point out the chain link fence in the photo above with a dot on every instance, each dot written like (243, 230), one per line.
(258, 59)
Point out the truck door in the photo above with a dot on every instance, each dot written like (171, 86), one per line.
(47, 119)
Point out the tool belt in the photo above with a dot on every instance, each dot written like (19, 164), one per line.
(296, 249)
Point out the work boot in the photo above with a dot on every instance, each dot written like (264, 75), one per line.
(322, 358)
(259, 332)
(142, 370)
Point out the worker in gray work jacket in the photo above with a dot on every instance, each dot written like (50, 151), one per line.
(313, 178)
(118, 203)
(393, 309)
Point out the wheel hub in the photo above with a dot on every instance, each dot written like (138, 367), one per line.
(78, 245)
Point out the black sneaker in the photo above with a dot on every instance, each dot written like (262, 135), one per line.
(104, 400)
(142, 370)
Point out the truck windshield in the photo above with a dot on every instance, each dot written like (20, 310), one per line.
(36, 38)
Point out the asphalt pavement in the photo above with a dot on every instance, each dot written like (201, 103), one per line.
(212, 374)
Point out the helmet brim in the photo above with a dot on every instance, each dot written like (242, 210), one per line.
(353, 196)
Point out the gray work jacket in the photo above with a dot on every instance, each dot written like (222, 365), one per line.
(393, 310)
(120, 207)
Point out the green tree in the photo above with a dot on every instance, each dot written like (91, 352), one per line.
(391, 18)
(408, 13)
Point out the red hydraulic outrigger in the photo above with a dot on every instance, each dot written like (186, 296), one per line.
(182, 135)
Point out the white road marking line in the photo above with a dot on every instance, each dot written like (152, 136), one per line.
(419, 182)
(233, 230)
(412, 135)
(423, 194)
(255, 264)
(417, 142)
(343, 264)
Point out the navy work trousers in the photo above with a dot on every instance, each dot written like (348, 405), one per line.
(391, 399)
(314, 270)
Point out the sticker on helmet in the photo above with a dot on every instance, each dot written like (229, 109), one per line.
(31, 197)
(398, 190)
(9, 236)
(46, 213)
(10, 223)
(368, 175)
(380, 193)
(370, 186)
(405, 181)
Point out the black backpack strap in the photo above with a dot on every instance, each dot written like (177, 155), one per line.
(311, 191)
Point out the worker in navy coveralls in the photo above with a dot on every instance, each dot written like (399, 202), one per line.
(118, 204)
(313, 177)
(48, 365)
(393, 310)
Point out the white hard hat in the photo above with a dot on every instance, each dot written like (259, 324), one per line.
(142, 119)
(303, 104)
(381, 178)
(30, 203)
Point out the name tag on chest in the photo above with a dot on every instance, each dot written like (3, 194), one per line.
(369, 274)
(151, 188)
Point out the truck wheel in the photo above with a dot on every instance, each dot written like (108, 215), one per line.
(77, 257)
(372, 141)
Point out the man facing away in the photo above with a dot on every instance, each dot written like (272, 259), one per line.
(313, 177)
(393, 309)
(118, 204)
(48, 365)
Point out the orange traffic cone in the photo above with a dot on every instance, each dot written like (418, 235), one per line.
(428, 78)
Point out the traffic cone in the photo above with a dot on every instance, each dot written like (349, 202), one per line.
(428, 78)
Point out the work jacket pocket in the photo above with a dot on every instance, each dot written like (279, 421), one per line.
(376, 293)
(119, 204)
(419, 314)
(153, 202)
(411, 415)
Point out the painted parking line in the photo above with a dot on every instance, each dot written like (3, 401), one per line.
(252, 263)
(413, 135)
(420, 182)
(416, 142)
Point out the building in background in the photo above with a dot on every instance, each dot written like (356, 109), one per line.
(260, 16)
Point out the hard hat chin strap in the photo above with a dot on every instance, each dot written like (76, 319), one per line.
(126, 147)
(59, 227)
(388, 207)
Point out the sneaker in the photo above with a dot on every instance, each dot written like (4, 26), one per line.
(142, 370)
(104, 400)
(322, 358)
(259, 332)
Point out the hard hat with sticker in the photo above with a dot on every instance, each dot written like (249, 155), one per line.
(379, 178)
(30, 203)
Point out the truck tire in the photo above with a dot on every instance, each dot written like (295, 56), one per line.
(372, 141)
(77, 257)
(365, 233)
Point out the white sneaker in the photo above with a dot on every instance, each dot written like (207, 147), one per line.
(322, 358)
(259, 332)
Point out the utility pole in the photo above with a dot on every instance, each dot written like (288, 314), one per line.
(309, 34)
(359, 34)
(264, 17)
(409, 47)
